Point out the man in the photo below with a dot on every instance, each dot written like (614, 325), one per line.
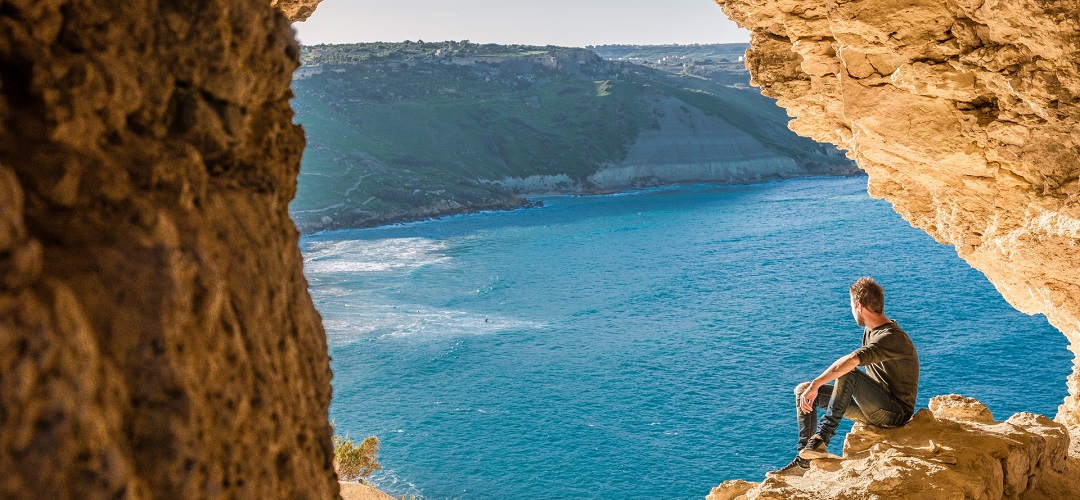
(883, 396)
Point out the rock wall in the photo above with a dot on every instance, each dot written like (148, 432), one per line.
(296, 10)
(964, 113)
(156, 335)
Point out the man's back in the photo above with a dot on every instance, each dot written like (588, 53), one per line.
(890, 358)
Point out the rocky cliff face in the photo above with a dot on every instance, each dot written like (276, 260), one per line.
(966, 116)
(686, 145)
(296, 10)
(156, 335)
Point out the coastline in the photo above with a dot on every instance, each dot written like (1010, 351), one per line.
(593, 290)
(533, 199)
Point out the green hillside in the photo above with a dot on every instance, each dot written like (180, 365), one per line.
(692, 52)
(406, 131)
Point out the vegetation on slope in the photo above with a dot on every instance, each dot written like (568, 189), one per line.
(721, 63)
(413, 130)
(353, 461)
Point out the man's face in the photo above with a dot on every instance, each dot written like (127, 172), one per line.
(856, 312)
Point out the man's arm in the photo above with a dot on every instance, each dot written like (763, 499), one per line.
(834, 371)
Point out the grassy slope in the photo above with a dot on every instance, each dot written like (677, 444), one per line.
(401, 142)
(756, 115)
(446, 126)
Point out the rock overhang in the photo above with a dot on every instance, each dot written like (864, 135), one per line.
(966, 116)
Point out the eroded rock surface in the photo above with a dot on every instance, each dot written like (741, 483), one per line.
(296, 10)
(156, 335)
(964, 113)
(949, 451)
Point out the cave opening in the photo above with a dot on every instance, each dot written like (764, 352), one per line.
(158, 337)
(992, 351)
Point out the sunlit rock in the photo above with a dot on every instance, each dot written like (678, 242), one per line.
(296, 10)
(156, 335)
(950, 451)
(966, 116)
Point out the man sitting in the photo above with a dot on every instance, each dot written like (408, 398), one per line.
(883, 396)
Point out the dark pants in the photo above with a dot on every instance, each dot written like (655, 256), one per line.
(855, 396)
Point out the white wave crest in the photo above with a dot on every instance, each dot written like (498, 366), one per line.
(417, 322)
(370, 256)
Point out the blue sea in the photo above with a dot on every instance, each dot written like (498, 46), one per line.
(642, 345)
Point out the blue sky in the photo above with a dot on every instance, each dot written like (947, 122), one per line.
(535, 22)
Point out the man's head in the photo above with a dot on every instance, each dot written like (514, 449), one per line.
(866, 296)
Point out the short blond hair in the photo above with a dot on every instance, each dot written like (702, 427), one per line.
(869, 293)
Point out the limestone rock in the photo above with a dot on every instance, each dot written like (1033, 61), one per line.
(939, 454)
(966, 116)
(956, 407)
(296, 10)
(686, 145)
(156, 335)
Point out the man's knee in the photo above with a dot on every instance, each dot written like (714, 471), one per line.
(799, 389)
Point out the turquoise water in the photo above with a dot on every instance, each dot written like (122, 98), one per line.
(641, 345)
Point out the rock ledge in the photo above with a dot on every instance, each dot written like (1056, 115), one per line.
(949, 451)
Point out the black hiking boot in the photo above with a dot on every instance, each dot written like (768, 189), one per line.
(797, 467)
(815, 448)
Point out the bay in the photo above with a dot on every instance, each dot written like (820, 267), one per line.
(641, 345)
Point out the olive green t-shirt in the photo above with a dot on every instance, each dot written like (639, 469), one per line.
(890, 358)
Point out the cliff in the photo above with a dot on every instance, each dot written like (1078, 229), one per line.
(296, 10)
(686, 144)
(156, 335)
(965, 115)
(407, 131)
(952, 450)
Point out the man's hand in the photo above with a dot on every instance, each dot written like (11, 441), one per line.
(807, 398)
(834, 371)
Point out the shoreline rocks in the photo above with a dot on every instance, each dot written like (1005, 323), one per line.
(523, 189)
